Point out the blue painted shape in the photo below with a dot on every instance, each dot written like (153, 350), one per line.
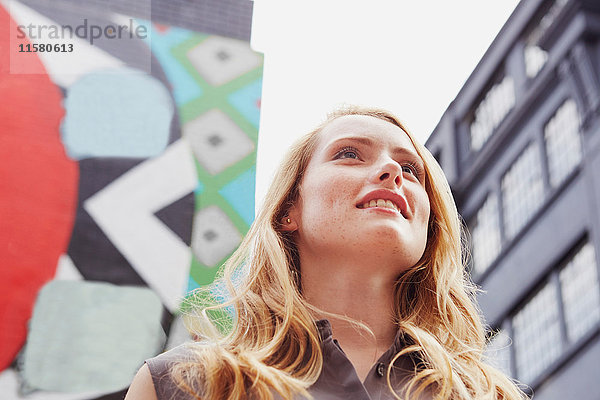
(240, 194)
(220, 291)
(246, 99)
(89, 325)
(116, 113)
(192, 285)
(199, 188)
(184, 86)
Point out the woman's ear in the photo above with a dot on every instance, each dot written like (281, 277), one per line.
(289, 222)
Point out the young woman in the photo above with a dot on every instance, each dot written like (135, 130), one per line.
(354, 284)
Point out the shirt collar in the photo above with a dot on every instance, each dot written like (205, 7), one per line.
(324, 328)
(325, 331)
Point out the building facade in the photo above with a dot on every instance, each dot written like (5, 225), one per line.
(520, 146)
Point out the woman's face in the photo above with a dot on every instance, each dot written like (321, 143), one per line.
(363, 194)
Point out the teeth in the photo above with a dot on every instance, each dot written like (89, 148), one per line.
(380, 203)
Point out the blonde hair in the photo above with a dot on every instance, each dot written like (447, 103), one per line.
(272, 343)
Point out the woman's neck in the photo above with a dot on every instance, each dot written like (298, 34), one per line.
(364, 295)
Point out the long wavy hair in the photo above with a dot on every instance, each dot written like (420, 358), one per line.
(263, 339)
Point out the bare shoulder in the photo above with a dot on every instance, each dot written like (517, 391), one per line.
(142, 387)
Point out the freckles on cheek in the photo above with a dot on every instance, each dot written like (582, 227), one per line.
(327, 196)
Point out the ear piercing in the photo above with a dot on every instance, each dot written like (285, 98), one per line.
(288, 221)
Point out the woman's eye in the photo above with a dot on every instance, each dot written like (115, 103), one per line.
(410, 169)
(348, 152)
(414, 170)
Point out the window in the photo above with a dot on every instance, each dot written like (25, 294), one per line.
(486, 235)
(535, 56)
(540, 326)
(522, 190)
(498, 101)
(581, 293)
(536, 332)
(535, 59)
(563, 142)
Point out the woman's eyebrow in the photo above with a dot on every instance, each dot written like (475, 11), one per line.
(408, 152)
(360, 139)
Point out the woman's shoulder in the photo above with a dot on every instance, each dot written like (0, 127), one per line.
(160, 371)
(163, 360)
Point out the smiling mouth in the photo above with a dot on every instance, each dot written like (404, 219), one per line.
(381, 203)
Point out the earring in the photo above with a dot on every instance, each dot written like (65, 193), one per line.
(288, 221)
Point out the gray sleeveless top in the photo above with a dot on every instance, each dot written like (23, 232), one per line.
(338, 379)
(159, 367)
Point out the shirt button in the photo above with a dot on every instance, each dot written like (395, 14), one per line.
(380, 370)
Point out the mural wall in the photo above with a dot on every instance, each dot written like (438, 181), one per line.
(126, 179)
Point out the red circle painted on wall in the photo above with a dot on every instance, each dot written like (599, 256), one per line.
(38, 187)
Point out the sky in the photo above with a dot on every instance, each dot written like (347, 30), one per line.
(410, 57)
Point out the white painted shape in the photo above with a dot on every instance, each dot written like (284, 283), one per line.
(234, 146)
(65, 68)
(122, 19)
(124, 211)
(9, 386)
(66, 269)
(241, 59)
(226, 238)
(178, 334)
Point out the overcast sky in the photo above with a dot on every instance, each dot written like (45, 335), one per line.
(410, 57)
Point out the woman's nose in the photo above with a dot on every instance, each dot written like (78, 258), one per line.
(390, 172)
